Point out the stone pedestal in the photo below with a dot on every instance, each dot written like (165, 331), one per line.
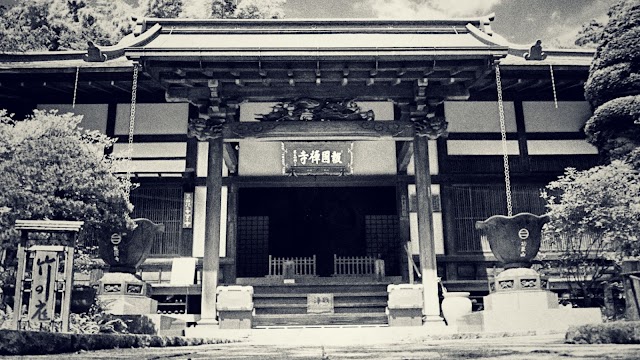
(520, 303)
(126, 294)
(404, 307)
(235, 307)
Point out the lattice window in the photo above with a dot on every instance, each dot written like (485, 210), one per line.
(161, 204)
(382, 239)
(472, 203)
(253, 246)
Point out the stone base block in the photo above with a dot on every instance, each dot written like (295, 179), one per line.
(405, 317)
(530, 300)
(555, 320)
(167, 325)
(235, 319)
(129, 304)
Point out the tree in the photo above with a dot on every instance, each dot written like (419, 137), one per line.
(595, 214)
(234, 9)
(613, 85)
(594, 223)
(162, 8)
(51, 169)
(40, 25)
(590, 34)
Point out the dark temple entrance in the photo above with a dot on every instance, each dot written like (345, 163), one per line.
(321, 221)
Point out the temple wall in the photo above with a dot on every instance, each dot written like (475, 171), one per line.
(94, 115)
(478, 116)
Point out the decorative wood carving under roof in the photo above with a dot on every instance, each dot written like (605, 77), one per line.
(306, 109)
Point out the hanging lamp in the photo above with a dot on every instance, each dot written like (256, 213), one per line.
(514, 239)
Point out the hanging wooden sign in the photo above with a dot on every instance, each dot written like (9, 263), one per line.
(317, 158)
(187, 211)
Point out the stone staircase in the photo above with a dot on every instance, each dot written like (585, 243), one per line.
(286, 304)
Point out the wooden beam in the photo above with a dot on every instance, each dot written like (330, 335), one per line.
(404, 156)
(325, 130)
(181, 94)
(278, 93)
(230, 157)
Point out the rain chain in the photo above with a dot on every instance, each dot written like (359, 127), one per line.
(503, 133)
(132, 119)
(553, 87)
(75, 88)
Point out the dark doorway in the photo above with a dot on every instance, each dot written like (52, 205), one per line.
(315, 221)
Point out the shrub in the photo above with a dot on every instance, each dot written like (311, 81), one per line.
(619, 332)
(38, 343)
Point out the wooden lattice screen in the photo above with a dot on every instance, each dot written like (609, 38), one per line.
(253, 246)
(382, 239)
(472, 203)
(162, 205)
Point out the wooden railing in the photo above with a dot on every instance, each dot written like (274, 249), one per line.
(353, 265)
(302, 266)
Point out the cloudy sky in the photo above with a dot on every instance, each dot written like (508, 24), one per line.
(519, 21)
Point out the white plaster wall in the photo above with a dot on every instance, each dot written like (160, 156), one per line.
(478, 116)
(560, 147)
(542, 116)
(94, 115)
(153, 119)
(150, 150)
(481, 147)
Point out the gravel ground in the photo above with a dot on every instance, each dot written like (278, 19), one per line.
(380, 343)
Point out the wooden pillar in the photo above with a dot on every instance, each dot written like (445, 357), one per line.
(232, 226)
(428, 267)
(404, 231)
(211, 259)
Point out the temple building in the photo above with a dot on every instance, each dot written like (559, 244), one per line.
(342, 156)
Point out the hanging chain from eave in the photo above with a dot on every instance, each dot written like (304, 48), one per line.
(553, 87)
(503, 133)
(132, 121)
(75, 88)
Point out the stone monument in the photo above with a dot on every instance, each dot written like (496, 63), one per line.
(122, 291)
(519, 299)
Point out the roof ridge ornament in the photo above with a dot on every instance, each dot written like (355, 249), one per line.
(94, 54)
(141, 25)
(535, 53)
(485, 23)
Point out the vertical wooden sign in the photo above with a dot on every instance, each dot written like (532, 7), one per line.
(44, 276)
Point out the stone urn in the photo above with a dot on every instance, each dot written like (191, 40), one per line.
(455, 305)
(514, 240)
(125, 251)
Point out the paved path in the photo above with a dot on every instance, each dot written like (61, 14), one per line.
(369, 343)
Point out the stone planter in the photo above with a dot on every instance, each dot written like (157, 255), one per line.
(131, 247)
(455, 305)
(514, 240)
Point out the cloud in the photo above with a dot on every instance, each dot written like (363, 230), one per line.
(428, 9)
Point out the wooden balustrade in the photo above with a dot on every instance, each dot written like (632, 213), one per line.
(353, 265)
(302, 266)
